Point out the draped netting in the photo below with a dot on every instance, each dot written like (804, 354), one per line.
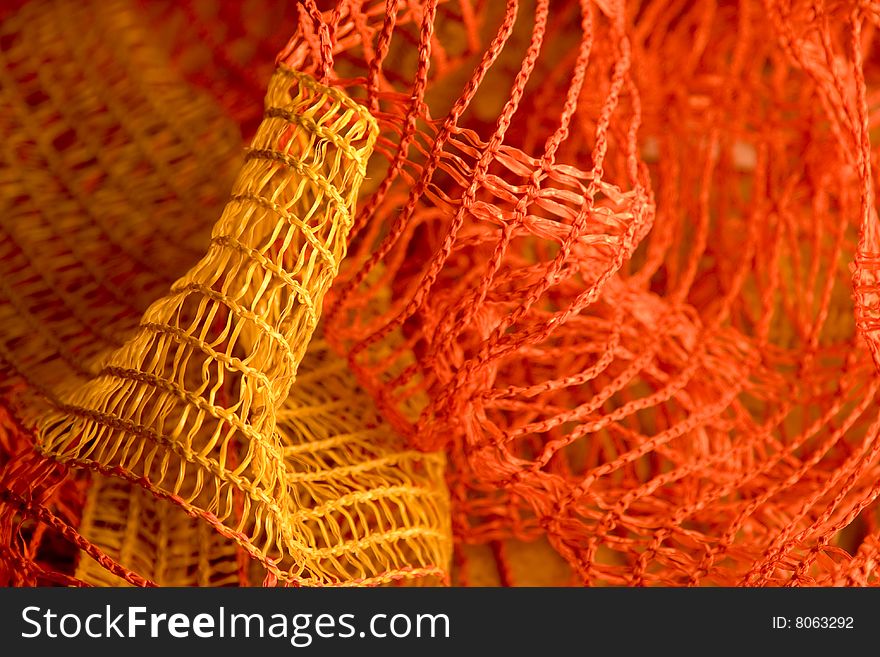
(577, 291)
(631, 255)
(158, 352)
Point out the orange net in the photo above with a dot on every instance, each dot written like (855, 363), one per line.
(597, 284)
(619, 263)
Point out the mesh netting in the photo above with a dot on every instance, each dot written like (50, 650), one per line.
(617, 239)
(597, 288)
(369, 510)
(201, 458)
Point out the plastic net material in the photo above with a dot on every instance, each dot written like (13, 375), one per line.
(618, 238)
(201, 459)
(596, 281)
(372, 510)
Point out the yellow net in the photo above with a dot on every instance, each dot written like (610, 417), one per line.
(152, 538)
(102, 154)
(239, 322)
(371, 510)
(208, 464)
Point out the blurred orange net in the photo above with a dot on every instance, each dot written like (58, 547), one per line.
(618, 260)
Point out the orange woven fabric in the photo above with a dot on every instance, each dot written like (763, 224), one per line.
(598, 285)
(619, 240)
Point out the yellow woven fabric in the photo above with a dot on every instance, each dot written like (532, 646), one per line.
(209, 466)
(102, 152)
(152, 538)
(375, 510)
(372, 511)
(245, 312)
